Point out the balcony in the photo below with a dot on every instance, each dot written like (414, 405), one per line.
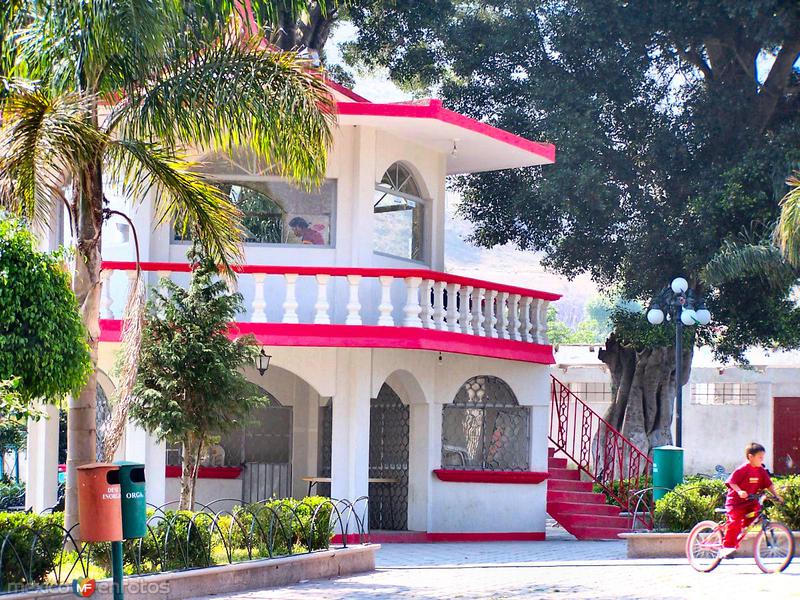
(411, 309)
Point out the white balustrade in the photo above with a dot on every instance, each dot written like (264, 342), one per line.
(353, 304)
(438, 305)
(290, 304)
(321, 316)
(105, 296)
(426, 303)
(464, 320)
(385, 307)
(259, 303)
(452, 306)
(412, 308)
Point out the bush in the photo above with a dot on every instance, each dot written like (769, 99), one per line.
(788, 512)
(629, 486)
(690, 502)
(11, 494)
(33, 544)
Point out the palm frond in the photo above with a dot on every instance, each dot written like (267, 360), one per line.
(183, 197)
(42, 137)
(236, 94)
(736, 261)
(787, 232)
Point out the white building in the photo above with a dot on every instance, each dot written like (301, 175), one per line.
(724, 406)
(390, 377)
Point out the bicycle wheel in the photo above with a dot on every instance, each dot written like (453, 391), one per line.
(774, 548)
(703, 545)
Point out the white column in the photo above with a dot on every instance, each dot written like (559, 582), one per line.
(321, 316)
(290, 303)
(534, 321)
(438, 305)
(541, 329)
(502, 316)
(350, 427)
(477, 314)
(489, 314)
(353, 304)
(526, 319)
(425, 303)
(464, 320)
(452, 303)
(41, 477)
(142, 447)
(513, 317)
(259, 304)
(385, 307)
(105, 296)
(412, 307)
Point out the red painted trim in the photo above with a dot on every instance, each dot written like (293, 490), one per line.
(173, 471)
(462, 476)
(423, 537)
(373, 336)
(345, 91)
(118, 265)
(434, 110)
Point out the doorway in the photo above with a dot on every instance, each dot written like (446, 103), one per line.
(388, 461)
(786, 436)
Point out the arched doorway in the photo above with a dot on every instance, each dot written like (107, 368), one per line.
(388, 461)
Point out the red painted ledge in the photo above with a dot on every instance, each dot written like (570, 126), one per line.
(173, 471)
(422, 537)
(461, 476)
(373, 336)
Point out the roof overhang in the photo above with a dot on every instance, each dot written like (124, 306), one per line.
(471, 146)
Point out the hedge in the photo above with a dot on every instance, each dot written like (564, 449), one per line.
(30, 545)
(689, 503)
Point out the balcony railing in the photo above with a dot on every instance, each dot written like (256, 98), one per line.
(408, 299)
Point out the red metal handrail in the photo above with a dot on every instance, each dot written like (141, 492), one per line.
(598, 449)
(117, 265)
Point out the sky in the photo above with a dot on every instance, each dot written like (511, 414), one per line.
(502, 264)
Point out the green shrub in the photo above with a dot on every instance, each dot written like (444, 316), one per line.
(690, 502)
(11, 494)
(33, 547)
(629, 486)
(321, 523)
(788, 512)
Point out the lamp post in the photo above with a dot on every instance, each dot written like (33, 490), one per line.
(262, 362)
(685, 308)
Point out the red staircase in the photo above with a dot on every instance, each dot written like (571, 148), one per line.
(609, 459)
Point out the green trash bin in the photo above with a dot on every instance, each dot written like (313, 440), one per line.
(134, 505)
(667, 469)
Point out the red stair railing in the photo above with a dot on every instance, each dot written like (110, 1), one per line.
(599, 450)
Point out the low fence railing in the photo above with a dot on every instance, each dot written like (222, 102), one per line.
(37, 552)
(599, 450)
(364, 296)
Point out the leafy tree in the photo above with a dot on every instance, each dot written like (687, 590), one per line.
(587, 331)
(125, 87)
(189, 388)
(43, 350)
(676, 125)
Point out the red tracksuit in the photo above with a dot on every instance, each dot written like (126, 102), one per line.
(742, 512)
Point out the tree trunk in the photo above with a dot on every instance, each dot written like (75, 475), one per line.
(192, 447)
(644, 384)
(81, 418)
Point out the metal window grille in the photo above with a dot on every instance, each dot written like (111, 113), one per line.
(485, 428)
(717, 394)
(592, 392)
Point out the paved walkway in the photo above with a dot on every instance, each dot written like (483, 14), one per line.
(562, 568)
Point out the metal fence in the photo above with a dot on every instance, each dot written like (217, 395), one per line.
(38, 552)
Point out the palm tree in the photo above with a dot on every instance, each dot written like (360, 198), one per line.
(127, 88)
(787, 232)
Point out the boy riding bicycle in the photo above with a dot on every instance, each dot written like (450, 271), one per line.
(746, 481)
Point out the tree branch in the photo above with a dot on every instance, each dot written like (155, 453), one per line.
(694, 58)
(777, 81)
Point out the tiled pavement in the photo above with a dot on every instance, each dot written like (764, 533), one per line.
(558, 568)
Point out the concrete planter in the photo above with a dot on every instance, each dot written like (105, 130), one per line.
(673, 545)
(228, 579)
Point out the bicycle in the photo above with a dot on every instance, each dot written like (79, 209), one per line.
(774, 545)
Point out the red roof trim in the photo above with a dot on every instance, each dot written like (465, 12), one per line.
(461, 476)
(434, 110)
(345, 91)
(115, 265)
(374, 336)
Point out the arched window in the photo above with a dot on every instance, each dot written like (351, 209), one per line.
(399, 215)
(485, 428)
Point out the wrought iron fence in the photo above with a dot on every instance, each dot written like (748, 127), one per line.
(38, 552)
(598, 449)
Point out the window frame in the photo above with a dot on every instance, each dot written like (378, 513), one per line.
(244, 179)
(426, 217)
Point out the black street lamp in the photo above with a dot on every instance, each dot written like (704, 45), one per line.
(262, 362)
(681, 305)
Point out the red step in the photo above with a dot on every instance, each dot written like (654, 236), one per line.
(557, 463)
(597, 533)
(569, 485)
(551, 451)
(571, 520)
(582, 508)
(556, 473)
(582, 497)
